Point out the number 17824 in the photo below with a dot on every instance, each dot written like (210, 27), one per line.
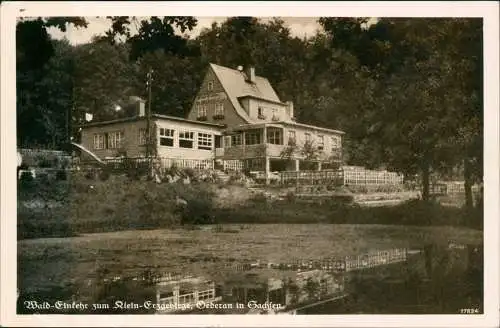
(469, 311)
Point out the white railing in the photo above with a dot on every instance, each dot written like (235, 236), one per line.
(199, 164)
(234, 165)
(362, 176)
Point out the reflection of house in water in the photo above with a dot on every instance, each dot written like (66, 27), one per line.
(291, 290)
(259, 291)
(382, 277)
(180, 295)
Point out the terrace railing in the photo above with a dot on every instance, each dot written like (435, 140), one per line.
(361, 176)
(325, 177)
(233, 165)
(119, 163)
(199, 164)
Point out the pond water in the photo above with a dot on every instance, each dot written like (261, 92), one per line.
(431, 279)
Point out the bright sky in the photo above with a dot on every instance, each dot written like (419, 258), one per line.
(299, 26)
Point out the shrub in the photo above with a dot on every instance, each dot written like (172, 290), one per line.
(61, 175)
(237, 178)
(90, 174)
(290, 197)
(259, 198)
(199, 208)
(104, 174)
(135, 169)
(26, 177)
(189, 172)
(99, 206)
(44, 161)
(64, 162)
(43, 177)
(172, 170)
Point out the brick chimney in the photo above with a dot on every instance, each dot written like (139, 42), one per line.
(289, 109)
(250, 73)
(139, 105)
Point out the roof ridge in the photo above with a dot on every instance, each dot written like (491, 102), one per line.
(237, 71)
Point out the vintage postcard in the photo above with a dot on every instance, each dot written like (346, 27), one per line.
(249, 164)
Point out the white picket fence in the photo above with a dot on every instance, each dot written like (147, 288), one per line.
(354, 175)
(199, 164)
(233, 165)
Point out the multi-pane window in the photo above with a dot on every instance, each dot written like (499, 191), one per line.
(274, 136)
(292, 138)
(308, 137)
(335, 142)
(166, 295)
(167, 298)
(236, 139)
(205, 141)
(252, 138)
(210, 86)
(202, 110)
(186, 139)
(206, 295)
(98, 141)
(166, 137)
(115, 139)
(321, 142)
(260, 113)
(227, 141)
(274, 113)
(142, 137)
(186, 298)
(219, 109)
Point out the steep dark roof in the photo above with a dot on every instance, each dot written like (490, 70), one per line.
(235, 84)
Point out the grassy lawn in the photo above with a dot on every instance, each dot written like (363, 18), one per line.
(76, 263)
(79, 205)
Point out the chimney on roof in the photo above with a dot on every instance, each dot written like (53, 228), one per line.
(139, 105)
(289, 109)
(250, 73)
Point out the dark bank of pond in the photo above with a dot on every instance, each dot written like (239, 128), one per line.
(431, 280)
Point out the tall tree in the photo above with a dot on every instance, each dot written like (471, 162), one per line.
(155, 33)
(36, 101)
(103, 78)
(175, 81)
(422, 108)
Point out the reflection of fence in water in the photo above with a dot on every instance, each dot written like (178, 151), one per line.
(375, 259)
(347, 263)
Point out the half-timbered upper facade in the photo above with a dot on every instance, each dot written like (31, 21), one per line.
(258, 124)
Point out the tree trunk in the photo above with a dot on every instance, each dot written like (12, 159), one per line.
(425, 182)
(468, 184)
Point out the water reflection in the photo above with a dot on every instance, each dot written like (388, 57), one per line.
(434, 279)
(256, 291)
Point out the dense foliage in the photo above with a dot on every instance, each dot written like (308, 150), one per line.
(408, 92)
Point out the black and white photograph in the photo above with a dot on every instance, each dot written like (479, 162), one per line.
(250, 162)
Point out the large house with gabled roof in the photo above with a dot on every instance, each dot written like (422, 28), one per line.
(237, 121)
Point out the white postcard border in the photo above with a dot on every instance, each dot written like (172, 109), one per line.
(486, 9)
